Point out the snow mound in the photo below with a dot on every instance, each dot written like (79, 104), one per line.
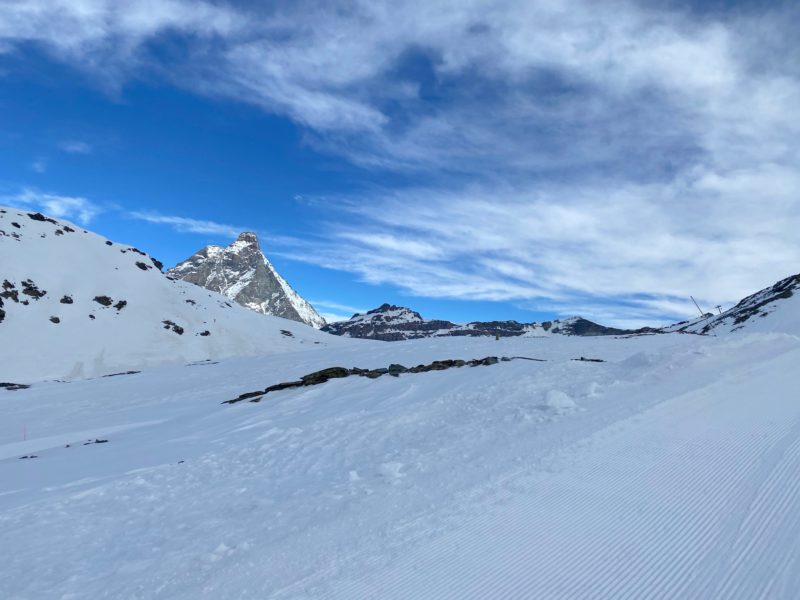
(558, 401)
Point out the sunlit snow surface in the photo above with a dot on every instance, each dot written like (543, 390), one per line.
(74, 268)
(670, 471)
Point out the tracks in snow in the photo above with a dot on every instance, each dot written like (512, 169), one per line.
(696, 498)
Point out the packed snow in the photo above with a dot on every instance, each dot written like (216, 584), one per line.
(669, 470)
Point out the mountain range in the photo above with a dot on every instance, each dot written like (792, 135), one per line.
(392, 323)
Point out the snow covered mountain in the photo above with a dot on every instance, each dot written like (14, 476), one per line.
(74, 305)
(775, 308)
(243, 274)
(393, 323)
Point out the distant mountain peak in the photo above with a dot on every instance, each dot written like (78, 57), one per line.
(247, 238)
(389, 322)
(243, 273)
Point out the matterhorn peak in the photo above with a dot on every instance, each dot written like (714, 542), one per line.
(242, 273)
(248, 237)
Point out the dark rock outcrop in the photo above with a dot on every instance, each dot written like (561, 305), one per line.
(394, 370)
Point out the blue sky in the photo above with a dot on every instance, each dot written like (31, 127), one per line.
(472, 160)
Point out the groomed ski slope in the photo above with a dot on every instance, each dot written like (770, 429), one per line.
(670, 471)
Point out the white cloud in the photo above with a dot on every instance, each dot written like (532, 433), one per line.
(338, 307)
(67, 207)
(187, 225)
(39, 165)
(75, 147)
(333, 317)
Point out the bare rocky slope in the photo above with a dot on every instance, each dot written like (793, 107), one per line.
(243, 274)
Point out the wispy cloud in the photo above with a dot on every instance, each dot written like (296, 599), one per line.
(39, 165)
(186, 224)
(338, 307)
(67, 207)
(331, 317)
(75, 147)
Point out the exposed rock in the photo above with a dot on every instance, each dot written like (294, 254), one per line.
(324, 375)
(29, 289)
(12, 387)
(242, 273)
(103, 300)
(283, 386)
(205, 333)
(122, 373)
(245, 396)
(142, 266)
(394, 370)
(40, 217)
(173, 326)
(121, 304)
(55, 320)
(66, 299)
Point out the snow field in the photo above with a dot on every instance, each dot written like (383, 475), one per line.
(665, 472)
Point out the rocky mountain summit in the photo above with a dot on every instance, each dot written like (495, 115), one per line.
(393, 323)
(243, 274)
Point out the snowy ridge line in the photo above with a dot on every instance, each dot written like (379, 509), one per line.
(394, 370)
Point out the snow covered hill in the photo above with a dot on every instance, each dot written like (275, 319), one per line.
(393, 323)
(243, 274)
(667, 471)
(775, 308)
(74, 305)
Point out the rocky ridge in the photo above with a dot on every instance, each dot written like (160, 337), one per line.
(751, 312)
(394, 323)
(243, 274)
